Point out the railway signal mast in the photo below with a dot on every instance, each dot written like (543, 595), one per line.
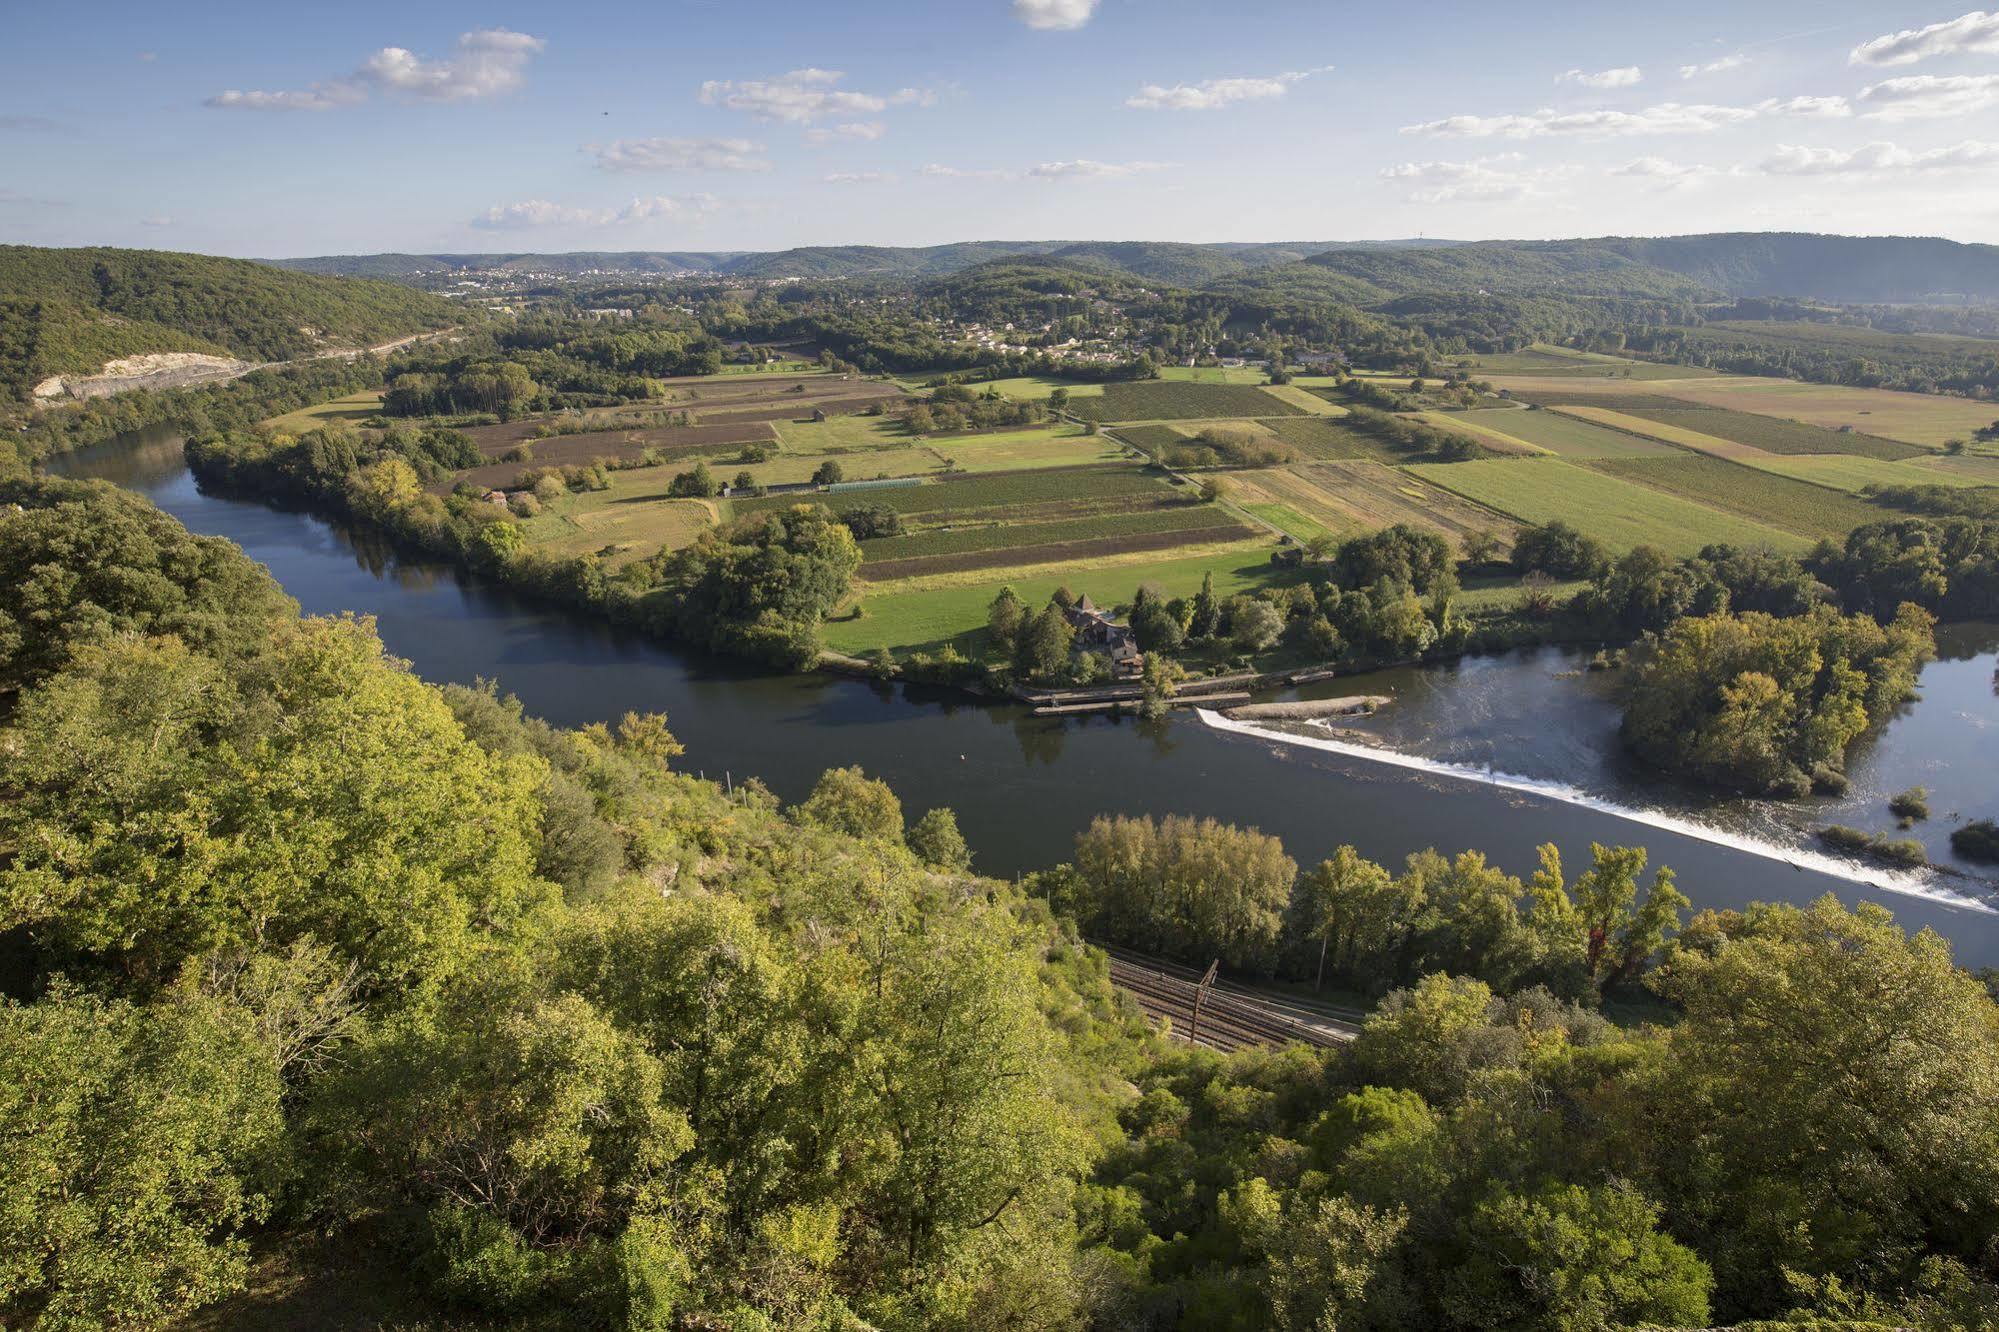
(1207, 983)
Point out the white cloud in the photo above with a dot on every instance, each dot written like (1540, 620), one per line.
(319, 97)
(1721, 66)
(1054, 15)
(1211, 94)
(490, 61)
(963, 173)
(1665, 118)
(1664, 171)
(1495, 179)
(679, 155)
(1930, 96)
(1792, 160)
(1976, 33)
(1083, 168)
(535, 214)
(1622, 77)
(1828, 108)
(859, 177)
(805, 95)
(855, 129)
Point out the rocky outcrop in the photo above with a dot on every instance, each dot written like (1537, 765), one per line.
(155, 370)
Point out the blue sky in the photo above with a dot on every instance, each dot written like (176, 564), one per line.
(289, 130)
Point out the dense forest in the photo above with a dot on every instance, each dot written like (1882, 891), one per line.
(391, 993)
(69, 311)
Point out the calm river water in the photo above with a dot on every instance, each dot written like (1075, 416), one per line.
(1495, 753)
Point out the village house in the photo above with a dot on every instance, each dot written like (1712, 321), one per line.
(1096, 630)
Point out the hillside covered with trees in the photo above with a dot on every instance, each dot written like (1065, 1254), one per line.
(69, 311)
(330, 993)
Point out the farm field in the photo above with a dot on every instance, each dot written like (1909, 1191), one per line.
(1796, 506)
(1542, 359)
(998, 534)
(842, 432)
(633, 519)
(1025, 387)
(353, 407)
(921, 614)
(1671, 434)
(1620, 513)
(1565, 436)
(1164, 400)
(956, 497)
(1775, 435)
(1914, 418)
(1966, 469)
(1922, 419)
(1054, 446)
(1212, 374)
(1488, 437)
(1854, 474)
(1304, 400)
(1327, 440)
(1349, 497)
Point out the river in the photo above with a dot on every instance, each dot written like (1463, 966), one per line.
(1498, 753)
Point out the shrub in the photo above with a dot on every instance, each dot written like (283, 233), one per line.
(1913, 803)
(1977, 840)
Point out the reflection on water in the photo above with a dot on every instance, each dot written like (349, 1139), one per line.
(1023, 786)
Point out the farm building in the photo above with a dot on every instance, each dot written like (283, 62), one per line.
(1096, 629)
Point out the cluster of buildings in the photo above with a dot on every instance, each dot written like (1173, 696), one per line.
(1096, 631)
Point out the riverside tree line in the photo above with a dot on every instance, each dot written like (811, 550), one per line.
(307, 958)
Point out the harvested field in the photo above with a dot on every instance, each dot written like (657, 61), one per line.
(1564, 436)
(969, 493)
(1773, 435)
(1164, 400)
(1796, 506)
(998, 534)
(630, 521)
(1363, 496)
(1620, 513)
(1026, 450)
(1051, 553)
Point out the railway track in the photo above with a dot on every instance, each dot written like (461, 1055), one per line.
(1232, 1016)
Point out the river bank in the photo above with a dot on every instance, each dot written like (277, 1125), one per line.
(1023, 786)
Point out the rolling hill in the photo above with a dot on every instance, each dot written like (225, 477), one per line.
(67, 312)
(1855, 269)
